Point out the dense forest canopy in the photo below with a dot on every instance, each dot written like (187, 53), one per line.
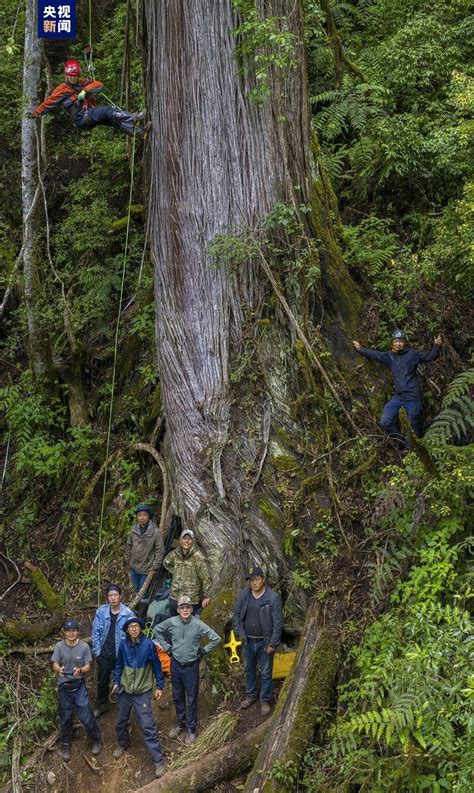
(177, 318)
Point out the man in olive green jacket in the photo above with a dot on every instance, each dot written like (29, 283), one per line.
(190, 573)
(145, 549)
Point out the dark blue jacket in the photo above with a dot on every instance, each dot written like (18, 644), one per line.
(403, 366)
(270, 615)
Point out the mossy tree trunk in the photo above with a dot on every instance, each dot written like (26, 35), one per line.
(219, 162)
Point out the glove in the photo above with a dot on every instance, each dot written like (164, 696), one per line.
(201, 653)
(82, 95)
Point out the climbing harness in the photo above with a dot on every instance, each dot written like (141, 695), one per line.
(232, 644)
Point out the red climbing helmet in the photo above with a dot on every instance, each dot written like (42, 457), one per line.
(72, 68)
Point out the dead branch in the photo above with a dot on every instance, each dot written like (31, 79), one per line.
(16, 755)
(4, 556)
(225, 763)
(31, 632)
(146, 447)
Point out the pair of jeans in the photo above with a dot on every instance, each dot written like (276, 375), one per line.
(74, 695)
(255, 655)
(185, 684)
(138, 579)
(389, 418)
(174, 608)
(105, 667)
(141, 704)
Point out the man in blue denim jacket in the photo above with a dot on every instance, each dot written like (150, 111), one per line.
(107, 633)
(258, 620)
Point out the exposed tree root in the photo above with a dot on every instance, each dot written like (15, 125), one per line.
(224, 763)
(31, 632)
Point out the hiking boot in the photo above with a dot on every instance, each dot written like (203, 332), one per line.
(96, 747)
(247, 702)
(159, 769)
(190, 738)
(265, 708)
(119, 752)
(139, 118)
(176, 731)
(66, 753)
(100, 709)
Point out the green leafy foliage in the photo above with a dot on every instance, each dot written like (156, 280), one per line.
(406, 716)
(456, 418)
(262, 45)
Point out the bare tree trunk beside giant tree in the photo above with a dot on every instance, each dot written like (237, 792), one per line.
(31, 196)
(219, 161)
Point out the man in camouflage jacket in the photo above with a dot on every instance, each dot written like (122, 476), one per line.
(190, 573)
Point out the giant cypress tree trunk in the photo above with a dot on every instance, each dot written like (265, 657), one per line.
(218, 162)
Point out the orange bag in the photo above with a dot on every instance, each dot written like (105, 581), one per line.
(165, 661)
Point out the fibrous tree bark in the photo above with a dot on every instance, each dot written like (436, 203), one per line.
(219, 162)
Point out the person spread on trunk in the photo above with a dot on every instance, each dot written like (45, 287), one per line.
(258, 621)
(402, 361)
(107, 633)
(145, 549)
(181, 637)
(72, 660)
(76, 96)
(137, 664)
(190, 572)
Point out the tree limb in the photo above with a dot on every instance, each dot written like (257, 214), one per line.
(31, 632)
(225, 763)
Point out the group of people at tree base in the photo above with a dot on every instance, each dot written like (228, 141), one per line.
(126, 654)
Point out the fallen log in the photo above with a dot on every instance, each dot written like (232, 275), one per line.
(301, 709)
(32, 631)
(225, 763)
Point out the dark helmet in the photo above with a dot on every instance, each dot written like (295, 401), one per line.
(398, 334)
(72, 68)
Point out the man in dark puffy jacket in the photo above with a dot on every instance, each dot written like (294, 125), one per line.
(402, 361)
(258, 620)
(145, 549)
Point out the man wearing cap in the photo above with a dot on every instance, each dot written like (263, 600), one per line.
(402, 360)
(71, 660)
(258, 620)
(181, 637)
(145, 549)
(107, 633)
(190, 573)
(136, 666)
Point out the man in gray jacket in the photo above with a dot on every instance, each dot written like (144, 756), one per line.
(145, 549)
(258, 621)
(181, 637)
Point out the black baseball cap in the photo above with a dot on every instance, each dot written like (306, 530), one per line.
(254, 572)
(71, 625)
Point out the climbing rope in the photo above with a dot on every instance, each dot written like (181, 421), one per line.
(114, 370)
